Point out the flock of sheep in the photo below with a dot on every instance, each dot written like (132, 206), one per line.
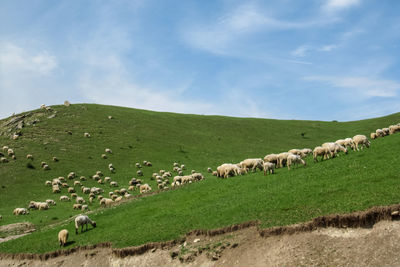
(296, 156)
(268, 165)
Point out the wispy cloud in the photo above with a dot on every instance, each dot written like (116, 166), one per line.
(15, 59)
(362, 86)
(336, 5)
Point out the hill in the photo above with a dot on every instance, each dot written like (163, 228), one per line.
(356, 181)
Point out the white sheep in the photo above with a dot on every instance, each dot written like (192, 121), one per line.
(85, 190)
(103, 156)
(320, 151)
(20, 211)
(306, 151)
(46, 167)
(297, 152)
(114, 183)
(64, 198)
(71, 175)
(82, 220)
(361, 140)
(294, 159)
(144, 188)
(71, 190)
(386, 131)
(107, 150)
(55, 159)
(56, 189)
(77, 206)
(50, 202)
(110, 117)
(86, 135)
(394, 128)
(85, 207)
(106, 202)
(63, 237)
(5, 148)
(252, 164)
(379, 133)
(107, 179)
(48, 183)
(139, 173)
(10, 152)
(80, 200)
(137, 164)
(273, 158)
(209, 170)
(3, 160)
(281, 159)
(77, 183)
(29, 156)
(373, 136)
(268, 167)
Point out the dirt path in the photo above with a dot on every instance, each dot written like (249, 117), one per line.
(377, 246)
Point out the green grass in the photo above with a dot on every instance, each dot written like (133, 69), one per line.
(348, 183)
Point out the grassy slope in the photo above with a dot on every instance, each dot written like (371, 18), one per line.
(353, 182)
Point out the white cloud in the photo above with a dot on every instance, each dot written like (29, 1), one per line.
(220, 36)
(361, 86)
(327, 48)
(336, 5)
(16, 59)
(301, 51)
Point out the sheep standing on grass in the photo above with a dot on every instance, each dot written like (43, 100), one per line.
(373, 136)
(20, 211)
(29, 156)
(64, 198)
(294, 159)
(86, 135)
(109, 151)
(268, 167)
(82, 220)
(360, 140)
(63, 237)
(320, 151)
(252, 164)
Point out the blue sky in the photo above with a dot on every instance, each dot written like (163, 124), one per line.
(311, 60)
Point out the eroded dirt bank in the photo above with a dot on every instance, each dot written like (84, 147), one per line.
(328, 241)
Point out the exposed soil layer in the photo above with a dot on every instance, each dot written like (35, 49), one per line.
(360, 238)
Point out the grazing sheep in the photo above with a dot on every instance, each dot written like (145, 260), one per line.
(107, 179)
(64, 185)
(297, 152)
(252, 164)
(117, 199)
(71, 175)
(56, 189)
(55, 159)
(100, 181)
(61, 178)
(110, 117)
(386, 131)
(50, 202)
(334, 148)
(294, 159)
(183, 167)
(180, 172)
(107, 150)
(227, 169)
(209, 170)
(77, 206)
(176, 164)
(144, 188)
(131, 188)
(197, 176)
(361, 140)
(3, 160)
(106, 202)
(320, 151)
(20, 211)
(113, 183)
(306, 151)
(10, 152)
(64, 198)
(46, 167)
(96, 177)
(122, 191)
(282, 158)
(99, 173)
(77, 183)
(29, 156)
(13, 157)
(215, 173)
(373, 136)
(86, 135)
(48, 183)
(273, 158)
(80, 200)
(42, 206)
(139, 173)
(85, 207)
(103, 156)
(82, 178)
(5, 148)
(56, 181)
(379, 133)
(394, 128)
(148, 164)
(63, 237)
(137, 164)
(268, 167)
(74, 195)
(85, 190)
(91, 200)
(71, 189)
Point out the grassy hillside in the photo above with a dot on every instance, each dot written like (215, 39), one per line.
(352, 182)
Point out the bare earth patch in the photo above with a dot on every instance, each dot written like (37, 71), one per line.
(15, 230)
(374, 246)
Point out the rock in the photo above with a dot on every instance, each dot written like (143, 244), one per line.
(66, 103)
(395, 213)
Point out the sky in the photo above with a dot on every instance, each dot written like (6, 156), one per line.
(288, 59)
